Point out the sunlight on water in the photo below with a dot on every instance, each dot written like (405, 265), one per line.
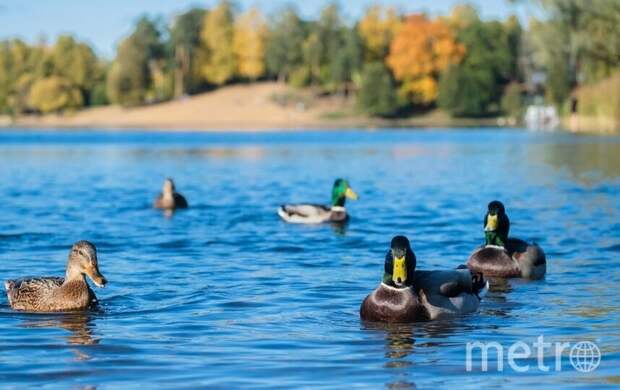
(225, 294)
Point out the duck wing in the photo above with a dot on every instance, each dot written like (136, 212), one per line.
(446, 292)
(304, 213)
(23, 293)
(180, 201)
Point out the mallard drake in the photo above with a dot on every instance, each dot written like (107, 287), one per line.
(313, 213)
(169, 199)
(407, 295)
(50, 294)
(502, 256)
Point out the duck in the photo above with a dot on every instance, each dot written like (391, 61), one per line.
(314, 213)
(503, 256)
(169, 199)
(409, 295)
(56, 294)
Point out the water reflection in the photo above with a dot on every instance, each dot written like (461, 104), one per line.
(399, 342)
(80, 326)
(340, 228)
(588, 163)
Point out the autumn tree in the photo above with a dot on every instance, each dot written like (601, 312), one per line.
(376, 29)
(419, 52)
(474, 86)
(21, 65)
(347, 62)
(54, 93)
(329, 29)
(285, 41)
(217, 38)
(331, 52)
(575, 42)
(249, 44)
(74, 61)
(136, 75)
(185, 41)
(310, 71)
(5, 81)
(377, 94)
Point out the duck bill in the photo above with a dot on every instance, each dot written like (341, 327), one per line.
(96, 277)
(399, 272)
(491, 223)
(349, 193)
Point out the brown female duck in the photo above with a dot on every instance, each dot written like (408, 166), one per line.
(50, 294)
(505, 257)
(169, 199)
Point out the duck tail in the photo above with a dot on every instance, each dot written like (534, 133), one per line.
(480, 285)
(283, 213)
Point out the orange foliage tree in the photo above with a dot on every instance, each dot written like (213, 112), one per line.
(419, 52)
(377, 28)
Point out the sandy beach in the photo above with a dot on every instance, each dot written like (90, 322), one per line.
(243, 107)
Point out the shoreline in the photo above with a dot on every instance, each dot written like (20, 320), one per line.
(258, 107)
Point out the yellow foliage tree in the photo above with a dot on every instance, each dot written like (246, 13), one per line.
(217, 38)
(461, 16)
(249, 44)
(377, 28)
(54, 93)
(419, 52)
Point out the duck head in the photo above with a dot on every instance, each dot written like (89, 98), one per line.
(401, 252)
(83, 261)
(168, 188)
(494, 212)
(340, 191)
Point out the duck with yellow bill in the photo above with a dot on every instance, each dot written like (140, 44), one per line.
(502, 256)
(408, 295)
(55, 294)
(316, 213)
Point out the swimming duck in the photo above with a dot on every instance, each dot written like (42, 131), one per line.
(169, 199)
(313, 213)
(407, 295)
(502, 256)
(49, 294)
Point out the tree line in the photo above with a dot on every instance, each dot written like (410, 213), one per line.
(390, 63)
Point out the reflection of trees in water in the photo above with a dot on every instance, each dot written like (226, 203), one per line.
(586, 162)
(497, 303)
(399, 345)
(79, 325)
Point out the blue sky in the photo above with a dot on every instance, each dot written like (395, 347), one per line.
(104, 23)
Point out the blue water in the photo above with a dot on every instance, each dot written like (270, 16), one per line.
(226, 295)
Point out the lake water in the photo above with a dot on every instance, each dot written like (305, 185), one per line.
(226, 295)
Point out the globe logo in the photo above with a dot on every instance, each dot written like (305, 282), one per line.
(585, 356)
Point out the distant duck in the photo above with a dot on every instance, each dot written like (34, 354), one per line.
(52, 294)
(502, 256)
(407, 295)
(313, 213)
(169, 199)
